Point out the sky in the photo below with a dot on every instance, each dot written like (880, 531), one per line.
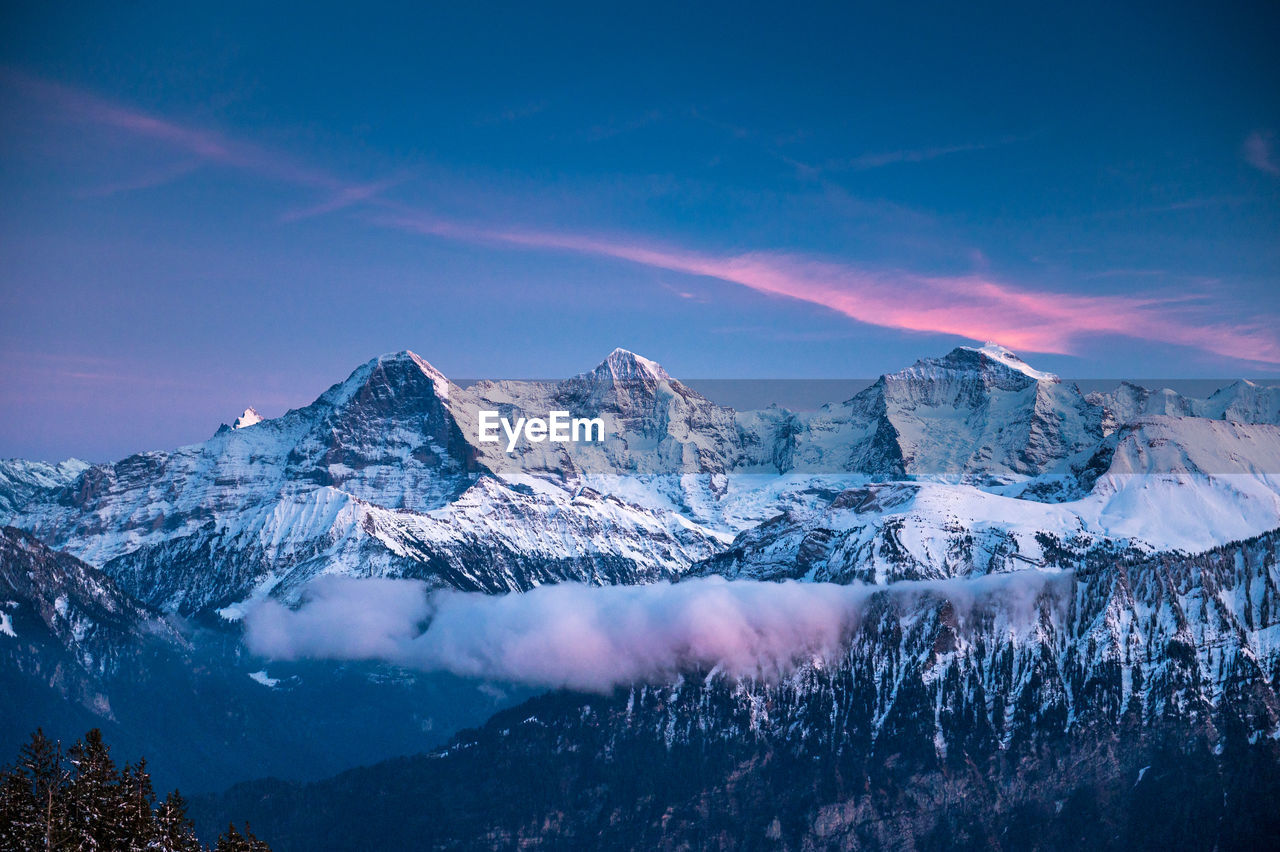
(207, 208)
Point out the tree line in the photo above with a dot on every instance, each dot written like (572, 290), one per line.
(77, 799)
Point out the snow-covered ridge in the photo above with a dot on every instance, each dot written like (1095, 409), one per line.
(20, 479)
(965, 463)
(996, 352)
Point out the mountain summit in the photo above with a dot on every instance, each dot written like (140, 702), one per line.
(624, 365)
(999, 354)
(249, 418)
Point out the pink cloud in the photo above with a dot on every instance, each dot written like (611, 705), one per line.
(344, 197)
(206, 145)
(600, 638)
(148, 180)
(974, 306)
(978, 307)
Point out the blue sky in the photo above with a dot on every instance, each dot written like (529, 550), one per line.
(205, 209)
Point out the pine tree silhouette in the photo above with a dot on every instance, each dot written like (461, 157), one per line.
(33, 801)
(233, 841)
(95, 796)
(174, 830)
(137, 818)
(51, 800)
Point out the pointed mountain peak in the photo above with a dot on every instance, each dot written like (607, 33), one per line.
(993, 353)
(407, 361)
(628, 366)
(1239, 384)
(395, 369)
(249, 418)
(410, 359)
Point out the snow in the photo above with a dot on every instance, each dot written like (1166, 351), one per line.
(623, 363)
(236, 611)
(261, 677)
(341, 488)
(250, 417)
(1244, 402)
(996, 352)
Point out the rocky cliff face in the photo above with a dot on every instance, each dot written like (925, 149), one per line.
(67, 623)
(980, 412)
(21, 480)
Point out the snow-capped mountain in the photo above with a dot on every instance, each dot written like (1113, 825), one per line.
(1172, 484)
(972, 468)
(57, 612)
(653, 424)
(958, 465)
(1130, 401)
(250, 417)
(20, 480)
(1241, 402)
(1244, 402)
(376, 477)
(979, 412)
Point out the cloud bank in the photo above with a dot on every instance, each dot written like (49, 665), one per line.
(596, 638)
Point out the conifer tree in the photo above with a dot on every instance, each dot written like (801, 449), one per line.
(79, 800)
(233, 841)
(19, 814)
(139, 798)
(96, 796)
(33, 801)
(174, 829)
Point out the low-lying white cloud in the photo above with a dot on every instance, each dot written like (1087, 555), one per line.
(589, 637)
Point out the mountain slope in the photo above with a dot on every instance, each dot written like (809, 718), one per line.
(971, 467)
(66, 623)
(22, 480)
(1132, 705)
(981, 412)
(78, 653)
(374, 478)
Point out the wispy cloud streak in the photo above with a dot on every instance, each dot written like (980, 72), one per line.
(149, 180)
(206, 145)
(345, 196)
(973, 306)
(978, 306)
(921, 155)
(888, 158)
(210, 146)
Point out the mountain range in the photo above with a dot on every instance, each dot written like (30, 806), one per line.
(1119, 548)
